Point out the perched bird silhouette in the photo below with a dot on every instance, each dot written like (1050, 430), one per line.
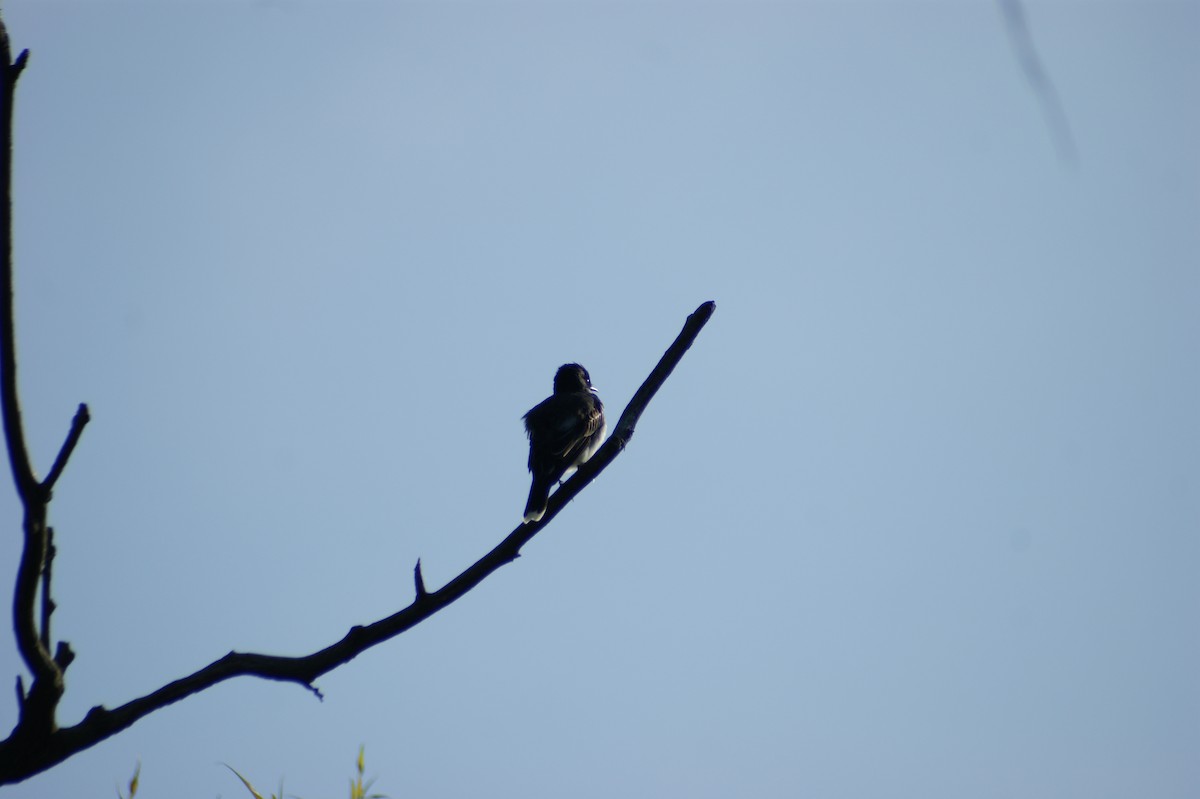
(564, 430)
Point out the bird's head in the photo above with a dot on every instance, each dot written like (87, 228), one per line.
(570, 378)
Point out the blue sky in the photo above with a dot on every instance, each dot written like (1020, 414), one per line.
(916, 517)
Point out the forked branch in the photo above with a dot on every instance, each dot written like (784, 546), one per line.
(37, 706)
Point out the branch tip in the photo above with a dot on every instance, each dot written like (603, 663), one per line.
(419, 579)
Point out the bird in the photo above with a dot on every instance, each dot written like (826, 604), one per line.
(564, 430)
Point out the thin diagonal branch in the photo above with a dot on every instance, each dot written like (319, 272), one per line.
(82, 417)
(17, 763)
(623, 432)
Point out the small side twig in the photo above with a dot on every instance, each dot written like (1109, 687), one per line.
(419, 580)
(64, 656)
(82, 417)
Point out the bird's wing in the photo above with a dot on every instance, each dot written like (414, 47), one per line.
(562, 424)
(594, 417)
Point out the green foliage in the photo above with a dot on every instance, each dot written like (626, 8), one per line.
(133, 783)
(250, 787)
(358, 788)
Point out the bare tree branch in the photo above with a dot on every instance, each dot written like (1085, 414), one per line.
(623, 432)
(1039, 79)
(14, 431)
(82, 417)
(47, 578)
(19, 760)
(37, 712)
(36, 707)
(36, 743)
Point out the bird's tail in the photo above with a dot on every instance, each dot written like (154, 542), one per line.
(539, 495)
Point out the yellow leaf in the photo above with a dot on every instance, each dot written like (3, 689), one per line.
(245, 782)
(133, 783)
